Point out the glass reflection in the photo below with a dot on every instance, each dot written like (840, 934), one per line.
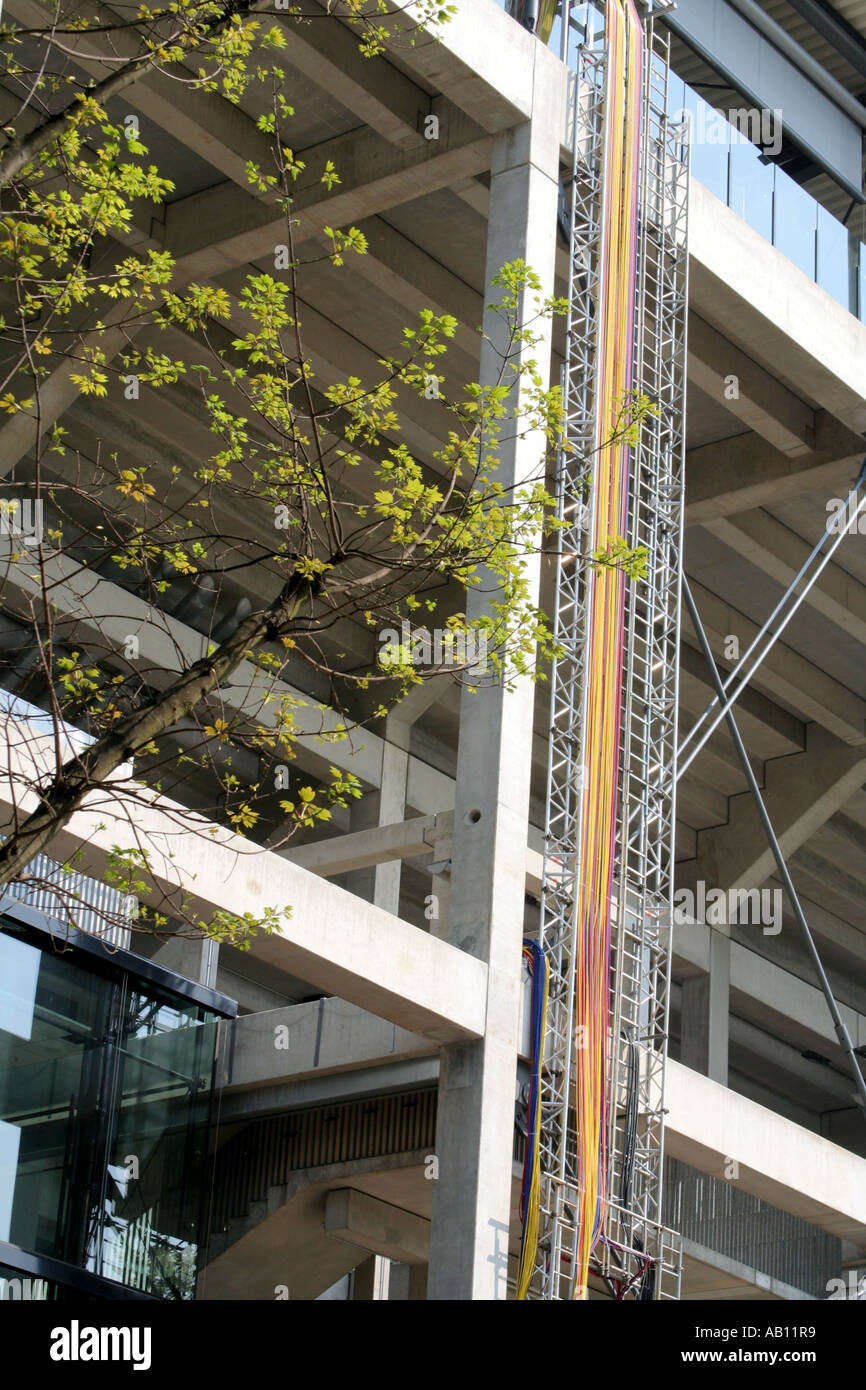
(104, 1105)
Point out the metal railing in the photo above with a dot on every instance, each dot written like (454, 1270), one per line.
(84, 903)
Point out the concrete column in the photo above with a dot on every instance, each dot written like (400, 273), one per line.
(408, 1283)
(195, 957)
(364, 815)
(398, 1286)
(705, 1014)
(392, 808)
(475, 1132)
(440, 885)
(395, 774)
(417, 1283)
(370, 1280)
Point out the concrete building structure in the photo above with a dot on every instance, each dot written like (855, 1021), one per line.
(368, 1141)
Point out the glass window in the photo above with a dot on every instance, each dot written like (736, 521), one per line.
(50, 1085)
(710, 135)
(676, 98)
(751, 195)
(148, 1231)
(105, 1085)
(19, 970)
(795, 223)
(833, 275)
(581, 15)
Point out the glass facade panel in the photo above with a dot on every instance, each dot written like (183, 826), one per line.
(676, 98)
(105, 1086)
(751, 192)
(728, 164)
(148, 1235)
(833, 271)
(795, 223)
(710, 144)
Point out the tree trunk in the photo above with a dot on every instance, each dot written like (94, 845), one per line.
(90, 769)
(17, 156)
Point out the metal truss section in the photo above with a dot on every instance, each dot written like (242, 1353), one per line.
(635, 1255)
(557, 1159)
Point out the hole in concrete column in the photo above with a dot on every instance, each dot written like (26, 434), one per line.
(473, 817)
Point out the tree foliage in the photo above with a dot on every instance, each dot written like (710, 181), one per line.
(306, 516)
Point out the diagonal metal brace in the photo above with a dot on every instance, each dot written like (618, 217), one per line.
(786, 609)
(842, 1033)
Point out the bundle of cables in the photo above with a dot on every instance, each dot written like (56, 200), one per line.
(539, 971)
(605, 629)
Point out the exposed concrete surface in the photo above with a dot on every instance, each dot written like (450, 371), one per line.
(333, 939)
(289, 1043)
(708, 1126)
(284, 1241)
(748, 290)
(378, 1226)
(711, 1277)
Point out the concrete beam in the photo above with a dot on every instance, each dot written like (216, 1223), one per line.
(382, 845)
(282, 1045)
(395, 266)
(57, 392)
(775, 550)
(386, 844)
(224, 227)
(772, 997)
(377, 1226)
(340, 944)
(217, 130)
(782, 1066)
(755, 296)
(709, 1276)
(335, 353)
(784, 673)
(837, 887)
(842, 942)
(380, 94)
(104, 615)
(801, 792)
(707, 1125)
(738, 475)
(480, 59)
(760, 401)
(768, 730)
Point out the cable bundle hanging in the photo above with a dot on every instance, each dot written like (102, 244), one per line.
(605, 628)
(539, 970)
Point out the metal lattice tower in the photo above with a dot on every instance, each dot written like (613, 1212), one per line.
(635, 1254)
